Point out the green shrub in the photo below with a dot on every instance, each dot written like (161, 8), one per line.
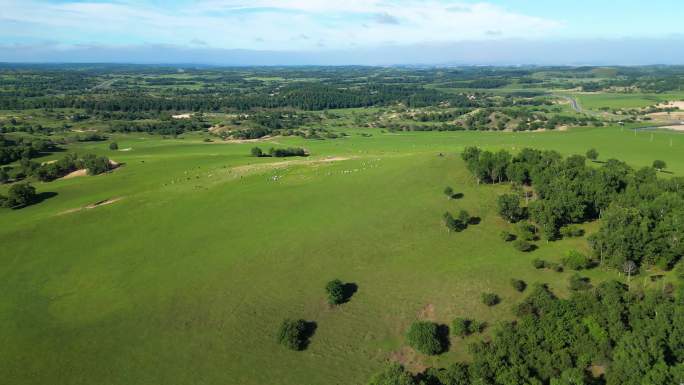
(519, 285)
(576, 260)
(508, 206)
(424, 337)
(506, 236)
(335, 290)
(477, 326)
(539, 263)
(20, 195)
(449, 192)
(292, 334)
(461, 327)
(464, 217)
(393, 374)
(453, 224)
(576, 283)
(256, 152)
(526, 231)
(523, 245)
(571, 231)
(113, 146)
(490, 299)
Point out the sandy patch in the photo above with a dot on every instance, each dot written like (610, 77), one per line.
(408, 358)
(427, 312)
(126, 149)
(181, 116)
(105, 202)
(678, 104)
(75, 174)
(675, 128)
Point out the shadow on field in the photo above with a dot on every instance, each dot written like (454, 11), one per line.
(457, 196)
(309, 331)
(443, 337)
(475, 221)
(39, 198)
(348, 290)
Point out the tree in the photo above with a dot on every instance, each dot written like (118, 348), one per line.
(293, 334)
(113, 146)
(592, 154)
(256, 152)
(424, 337)
(576, 260)
(449, 192)
(335, 290)
(20, 195)
(523, 245)
(393, 374)
(4, 176)
(463, 217)
(509, 207)
(629, 267)
(659, 165)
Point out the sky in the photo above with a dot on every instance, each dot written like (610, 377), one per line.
(275, 32)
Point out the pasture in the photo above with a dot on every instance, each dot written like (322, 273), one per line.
(186, 275)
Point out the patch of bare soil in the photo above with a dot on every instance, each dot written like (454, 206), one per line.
(678, 104)
(675, 128)
(427, 312)
(408, 358)
(74, 174)
(92, 206)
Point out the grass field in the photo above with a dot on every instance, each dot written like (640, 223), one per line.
(596, 101)
(187, 275)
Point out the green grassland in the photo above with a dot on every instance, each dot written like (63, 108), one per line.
(187, 275)
(595, 101)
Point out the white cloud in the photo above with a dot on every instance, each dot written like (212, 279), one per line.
(279, 24)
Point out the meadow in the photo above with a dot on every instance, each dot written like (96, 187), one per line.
(203, 250)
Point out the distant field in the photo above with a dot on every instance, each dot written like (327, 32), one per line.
(612, 100)
(186, 277)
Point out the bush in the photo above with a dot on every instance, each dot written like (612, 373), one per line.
(526, 231)
(477, 326)
(571, 231)
(292, 334)
(557, 267)
(424, 337)
(20, 195)
(539, 264)
(393, 374)
(4, 176)
(576, 260)
(507, 237)
(464, 217)
(96, 164)
(508, 206)
(286, 152)
(519, 285)
(449, 192)
(113, 146)
(256, 152)
(461, 327)
(579, 283)
(452, 223)
(490, 299)
(523, 245)
(335, 290)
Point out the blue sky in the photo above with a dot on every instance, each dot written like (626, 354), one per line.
(325, 26)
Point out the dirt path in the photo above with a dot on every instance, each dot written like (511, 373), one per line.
(95, 205)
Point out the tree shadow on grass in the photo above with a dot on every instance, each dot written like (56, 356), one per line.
(474, 221)
(457, 196)
(39, 198)
(443, 337)
(348, 291)
(309, 331)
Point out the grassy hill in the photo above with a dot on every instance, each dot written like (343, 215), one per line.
(200, 253)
